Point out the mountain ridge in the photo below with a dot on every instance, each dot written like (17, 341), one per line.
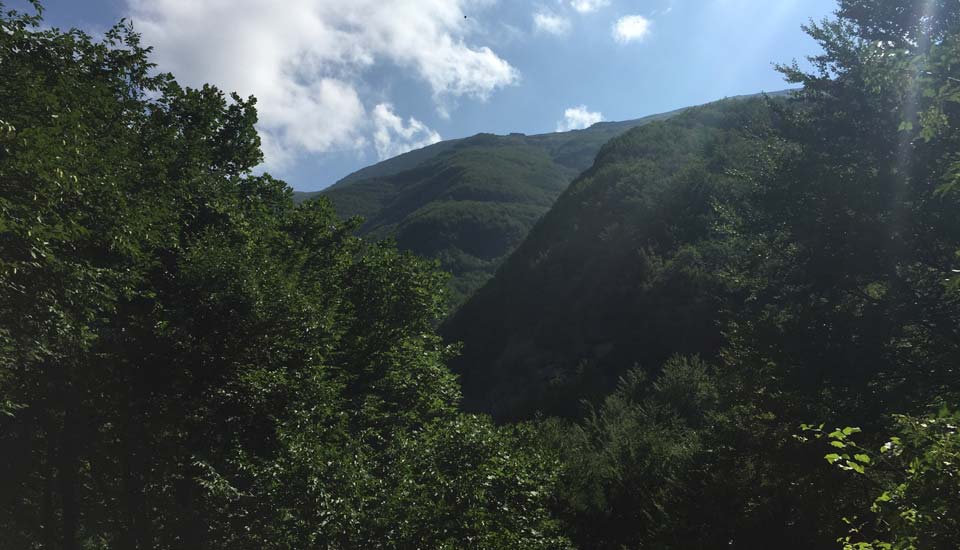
(469, 202)
(410, 159)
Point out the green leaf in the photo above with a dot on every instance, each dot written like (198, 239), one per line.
(855, 467)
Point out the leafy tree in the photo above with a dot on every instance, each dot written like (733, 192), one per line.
(858, 234)
(626, 466)
(190, 360)
(915, 476)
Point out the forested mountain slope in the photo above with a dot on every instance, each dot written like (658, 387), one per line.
(470, 202)
(613, 274)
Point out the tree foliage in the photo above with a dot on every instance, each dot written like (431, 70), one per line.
(917, 479)
(190, 360)
(807, 248)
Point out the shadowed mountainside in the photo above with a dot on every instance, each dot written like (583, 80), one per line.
(617, 273)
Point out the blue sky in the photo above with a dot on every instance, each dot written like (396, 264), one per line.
(344, 83)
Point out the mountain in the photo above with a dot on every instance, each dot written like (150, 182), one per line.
(618, 273)
(469, 202)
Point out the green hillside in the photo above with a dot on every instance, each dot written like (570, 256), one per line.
(469, 202)
(613, 274)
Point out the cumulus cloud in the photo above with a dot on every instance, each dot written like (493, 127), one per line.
(630, 28)
(577, 118)
(392, 137)
(587, 6)
(305, 60)
(551, 23)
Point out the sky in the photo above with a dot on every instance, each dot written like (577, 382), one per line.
(342, 84)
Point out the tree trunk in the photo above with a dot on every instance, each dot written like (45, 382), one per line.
(137, 534)
(47, 516)
(68, 468)
(128, 539)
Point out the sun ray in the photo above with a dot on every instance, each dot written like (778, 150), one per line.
(910, 113)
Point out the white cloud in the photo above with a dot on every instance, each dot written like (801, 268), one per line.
(392, 137)
(577, 118)
(587, 6)
(631, 28)
(551, 23)
(305, 60)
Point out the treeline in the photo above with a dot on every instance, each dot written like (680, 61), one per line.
(758, 300)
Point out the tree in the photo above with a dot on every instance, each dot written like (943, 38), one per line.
(190, 360)
(847, 243)
(915, 478)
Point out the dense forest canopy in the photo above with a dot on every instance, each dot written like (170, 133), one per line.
(192, 361)
(738, 328)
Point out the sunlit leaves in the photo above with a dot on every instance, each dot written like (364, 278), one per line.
(920, 480)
